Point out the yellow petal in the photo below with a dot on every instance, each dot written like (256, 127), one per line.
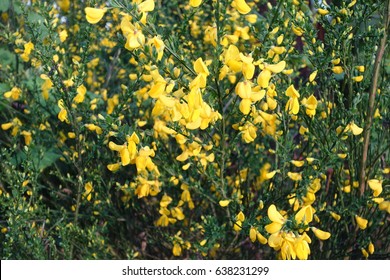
(195, 3)
(323, 11)
(125, 156)
(275, 241)
(305, 214)
(335, 216)
(241, 6)
(240, 216)
(276, 68)
(298, 163)
(6, 126)
(355, 129)
(313, 76)
(245, 106)
(273, 227)
(176, 250)
(295, 106)
(320, 234)
(270, 175)
(113, 167)
(165, 201)
(94, 15)
(376, 186)
(274, 215)
(261, 238)
(252, 234)
(358, 79)
(362, 223)
(200, 67)
(146, 6)
(115, 147)
(371, 248)
(224, 203)
(384, 206)
(244, 90)
(337, 70)
(263, 78)
(292, 92)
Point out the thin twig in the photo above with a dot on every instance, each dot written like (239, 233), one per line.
(373, 90)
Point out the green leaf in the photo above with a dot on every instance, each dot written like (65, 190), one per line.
(4, 5)
(6, 57)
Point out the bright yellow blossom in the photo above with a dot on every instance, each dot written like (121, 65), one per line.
(241, 6)
(362, 223)
(94, 15)
(376, 186)
(195, 3)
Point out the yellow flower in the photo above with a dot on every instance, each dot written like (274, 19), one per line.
(360, 68)
(323, 12)
(133, 33)
(301, 246)
(81, 91)
(14, 93)
(385, 206)
(240, 216)
(376, 186)
(165, 201)
(358, 79)
(146, 6)
(276, 68)
(313, 76)
(371, 248)
(305, 215)
(94, 15)
(113, 167)
(320, 234)
(123, 152)
(63, 35)
(28, 47)
(354, 128)
(27, 137)
(159, 45)
(176, 250)
(294, 176)
(224, 203)
(46, 86)
(261, 238)
(311, 106)
(276, 218)
(335, 216)
(297, 30)
(200, 67)
(252, 234)
(337, 69)
(63, 114)
(362, 223)
(353, 2)
(64, 5)
(263, 78)
(195, 3)
(88, 191)
(241, 6)
(248, 69)
(292, 105)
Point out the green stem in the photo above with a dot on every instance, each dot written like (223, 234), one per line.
(371, 102)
